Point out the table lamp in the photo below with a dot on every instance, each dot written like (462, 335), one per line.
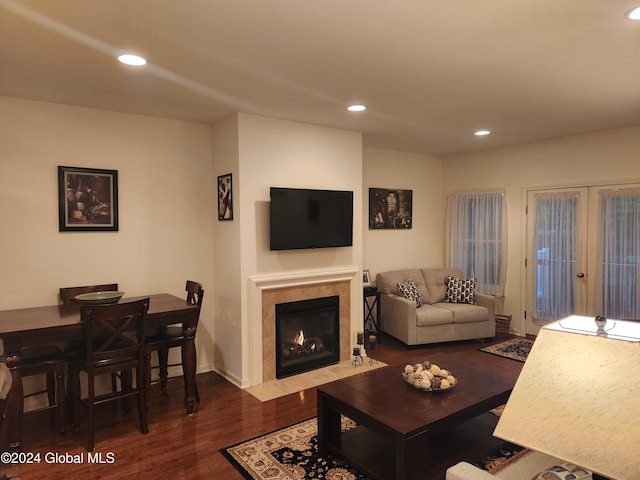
(578, 396)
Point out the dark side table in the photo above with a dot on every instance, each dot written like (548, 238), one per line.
(371, 300)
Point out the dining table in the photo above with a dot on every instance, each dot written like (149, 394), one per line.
(54, 324)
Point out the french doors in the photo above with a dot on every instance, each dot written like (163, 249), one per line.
(583, 248)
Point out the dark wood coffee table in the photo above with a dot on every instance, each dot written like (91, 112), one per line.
(404, 433)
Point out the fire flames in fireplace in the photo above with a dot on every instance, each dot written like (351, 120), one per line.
(307, 335)
(301, 346)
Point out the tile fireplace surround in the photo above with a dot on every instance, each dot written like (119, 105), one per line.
(269, 290)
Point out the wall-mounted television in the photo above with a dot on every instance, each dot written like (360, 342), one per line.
(303, 218)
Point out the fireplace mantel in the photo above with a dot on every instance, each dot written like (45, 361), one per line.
(290, 282)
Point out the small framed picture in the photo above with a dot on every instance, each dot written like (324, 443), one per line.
(225, 200)
(366, 278)
(87, 199)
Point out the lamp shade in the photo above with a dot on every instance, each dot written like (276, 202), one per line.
(578, 396)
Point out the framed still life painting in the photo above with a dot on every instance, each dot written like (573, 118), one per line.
(87, 199)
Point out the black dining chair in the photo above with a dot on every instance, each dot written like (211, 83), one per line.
(162, 339)
(114, 342)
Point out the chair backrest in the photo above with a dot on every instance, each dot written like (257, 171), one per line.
(67, 294)
(195, 294)
(108, 330)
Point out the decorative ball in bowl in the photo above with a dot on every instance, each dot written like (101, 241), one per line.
(98, 298)
(429, 377)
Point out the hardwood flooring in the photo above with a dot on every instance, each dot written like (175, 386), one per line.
(182, 447)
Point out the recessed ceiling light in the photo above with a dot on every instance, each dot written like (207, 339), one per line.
(132, 60)
(356, 108)
(481, 133)
(633, 14)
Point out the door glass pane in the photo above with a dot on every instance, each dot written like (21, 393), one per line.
(618, 289)
(555, 244)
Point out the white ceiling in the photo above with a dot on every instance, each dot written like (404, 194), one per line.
(430, 71)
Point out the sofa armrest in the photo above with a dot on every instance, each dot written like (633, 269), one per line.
(489, 301)
(398, 317)
(466, 471)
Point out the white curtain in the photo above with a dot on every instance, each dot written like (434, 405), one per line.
(476, 237)
(555, 254)
(618, 277)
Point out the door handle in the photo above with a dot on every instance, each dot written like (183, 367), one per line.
(580, 275)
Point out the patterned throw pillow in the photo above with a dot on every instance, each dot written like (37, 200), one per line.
(565, 471)
(409, 290)
(460, 290)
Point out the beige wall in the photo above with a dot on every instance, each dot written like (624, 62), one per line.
(166, 205)
(226, 247)
(274, 152)
(422, 245)
(595, 158)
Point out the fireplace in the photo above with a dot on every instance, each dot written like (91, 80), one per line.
(307, 335)
(267, 291)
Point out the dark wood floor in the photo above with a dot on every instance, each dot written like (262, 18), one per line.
(181, 447)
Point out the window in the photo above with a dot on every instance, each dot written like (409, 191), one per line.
(476, 243)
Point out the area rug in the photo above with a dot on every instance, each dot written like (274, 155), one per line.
(514, 348)
(290, 453)
(502, 458)
(286, 386)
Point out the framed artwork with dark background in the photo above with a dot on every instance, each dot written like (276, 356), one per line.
(87, 199)
(225, 203)
(390, 208)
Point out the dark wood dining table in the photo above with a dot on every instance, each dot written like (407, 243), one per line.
(58, 324)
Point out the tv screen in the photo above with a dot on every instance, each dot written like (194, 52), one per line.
(302, 218)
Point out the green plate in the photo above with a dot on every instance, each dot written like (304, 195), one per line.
(98, 298)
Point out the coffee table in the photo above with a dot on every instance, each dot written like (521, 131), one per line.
(404, 433)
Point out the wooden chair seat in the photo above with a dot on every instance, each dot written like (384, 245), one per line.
(166, 334)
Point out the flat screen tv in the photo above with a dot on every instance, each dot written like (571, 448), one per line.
(303, 218)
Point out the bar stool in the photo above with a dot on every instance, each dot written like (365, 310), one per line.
(68, 294)
(110, 347)
(50, 361)
(162, 339)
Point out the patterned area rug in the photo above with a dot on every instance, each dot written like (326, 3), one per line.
(502, 458)
(514, 348)
(290, 453)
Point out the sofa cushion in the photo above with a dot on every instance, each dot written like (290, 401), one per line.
(387, 282)
(429, 315)
(460, 290)
(409, 290)
(464, 313)
(434, 280)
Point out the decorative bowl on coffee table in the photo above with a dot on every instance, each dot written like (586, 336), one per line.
(429, 377)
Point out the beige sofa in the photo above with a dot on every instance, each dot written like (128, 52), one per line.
(435, 320)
